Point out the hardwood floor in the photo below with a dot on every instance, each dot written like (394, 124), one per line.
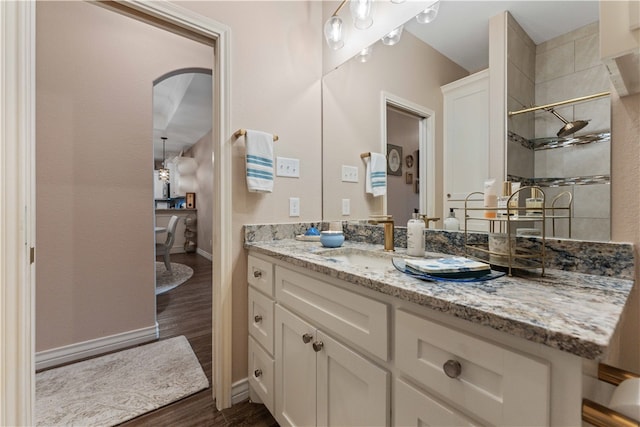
(186, 310)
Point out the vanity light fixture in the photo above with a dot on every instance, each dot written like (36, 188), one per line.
(429, 14)
(333, 29)
(163, 172)
(365, 54)
(362, 13)
(393, 37)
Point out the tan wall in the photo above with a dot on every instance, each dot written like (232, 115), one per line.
(352, 110)
(94, 181)
(276, 68)
(201, 151)
(625, 210)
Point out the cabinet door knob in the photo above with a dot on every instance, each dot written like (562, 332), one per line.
(452, 368)
(317, 346)
(306, 338)
(257, 274)
(257, 373)
(257, 318)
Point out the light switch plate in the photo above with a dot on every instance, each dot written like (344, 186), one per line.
(346, 206)
(294, 206)
(349, 173)
(287, 167)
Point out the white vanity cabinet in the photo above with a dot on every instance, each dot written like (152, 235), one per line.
(261, 337)
(341, 352)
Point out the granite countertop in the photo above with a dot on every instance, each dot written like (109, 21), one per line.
(572, 312)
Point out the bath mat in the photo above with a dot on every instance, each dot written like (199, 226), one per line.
(166, 281)
(111, 389)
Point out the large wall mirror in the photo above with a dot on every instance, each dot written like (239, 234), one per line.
(552, 56)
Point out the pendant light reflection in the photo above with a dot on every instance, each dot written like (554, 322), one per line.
(163, 172)
(429, 14)
(362, 13)
(393, 37)
(364, 55)
(333, 32)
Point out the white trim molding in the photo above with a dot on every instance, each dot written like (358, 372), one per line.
(17, 208)
(82, 350)
(240, 391)
(204, 254)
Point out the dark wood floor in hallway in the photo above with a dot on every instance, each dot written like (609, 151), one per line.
(186, 310)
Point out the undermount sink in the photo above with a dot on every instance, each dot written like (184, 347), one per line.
(367, 260)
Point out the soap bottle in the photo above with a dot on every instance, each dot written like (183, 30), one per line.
(415, 235)
(451, 223)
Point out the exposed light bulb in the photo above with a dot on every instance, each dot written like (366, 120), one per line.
(365, 54)
(393, 37)
(362, 13)
(397, 1)
(429, 14)
(333, 32)
(163, 174)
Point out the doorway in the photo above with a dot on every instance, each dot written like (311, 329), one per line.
(409, 129)
(19, 137)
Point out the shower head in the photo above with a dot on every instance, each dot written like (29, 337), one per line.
(569, 127)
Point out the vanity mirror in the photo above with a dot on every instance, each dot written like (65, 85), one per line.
(407, 77)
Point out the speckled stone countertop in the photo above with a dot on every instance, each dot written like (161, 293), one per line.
(573, 312)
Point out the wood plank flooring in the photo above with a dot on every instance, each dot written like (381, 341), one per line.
(186, 310)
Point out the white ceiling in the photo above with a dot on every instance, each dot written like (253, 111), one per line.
(182, 111)
(183, 103)
(461, 29)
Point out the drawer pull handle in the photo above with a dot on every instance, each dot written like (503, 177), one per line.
(257, 318)
(257, 373)
(257, 274)
(306, 338)
(452, 368)
(317, 346)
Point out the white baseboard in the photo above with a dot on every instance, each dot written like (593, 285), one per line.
(207, 255)
(81, 350)
(240, 391)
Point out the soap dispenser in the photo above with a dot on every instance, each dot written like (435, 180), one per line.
(451, 223)
(415, 235)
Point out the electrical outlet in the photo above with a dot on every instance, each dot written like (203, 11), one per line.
(349, 173)
(346, 206)
(287, 167)
(294, 206)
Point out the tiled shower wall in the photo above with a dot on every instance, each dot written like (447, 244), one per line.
(565, 67)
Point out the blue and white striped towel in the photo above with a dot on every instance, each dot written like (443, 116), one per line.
(376, 175)
(259, 161)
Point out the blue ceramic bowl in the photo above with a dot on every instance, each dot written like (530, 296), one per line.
(331, 239)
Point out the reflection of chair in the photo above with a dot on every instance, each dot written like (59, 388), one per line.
(165, 248)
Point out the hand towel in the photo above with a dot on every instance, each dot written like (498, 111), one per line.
(376, 175)
(259, 161)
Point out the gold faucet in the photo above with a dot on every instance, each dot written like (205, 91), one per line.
(427, 219)
(387, 220)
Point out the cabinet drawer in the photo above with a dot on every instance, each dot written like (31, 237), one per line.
(412, 407)
(356, 318)
(261, 374)
(261, 319)
(260, 275)
(494, 384)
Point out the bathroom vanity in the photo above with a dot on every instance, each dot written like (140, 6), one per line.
(340, 339)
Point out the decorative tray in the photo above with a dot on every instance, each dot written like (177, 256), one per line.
(306, 238)
(462, 276)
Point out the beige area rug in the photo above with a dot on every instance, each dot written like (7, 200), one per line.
(165, 281)
(111, 389)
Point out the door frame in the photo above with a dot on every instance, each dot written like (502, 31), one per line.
(426, 143)
(17, 199)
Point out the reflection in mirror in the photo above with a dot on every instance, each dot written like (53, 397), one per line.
(563, 68)
(539, 71)
(355, 96)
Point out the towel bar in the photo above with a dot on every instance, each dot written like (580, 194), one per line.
(243, 132)
(601, 416)
(365, 155)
